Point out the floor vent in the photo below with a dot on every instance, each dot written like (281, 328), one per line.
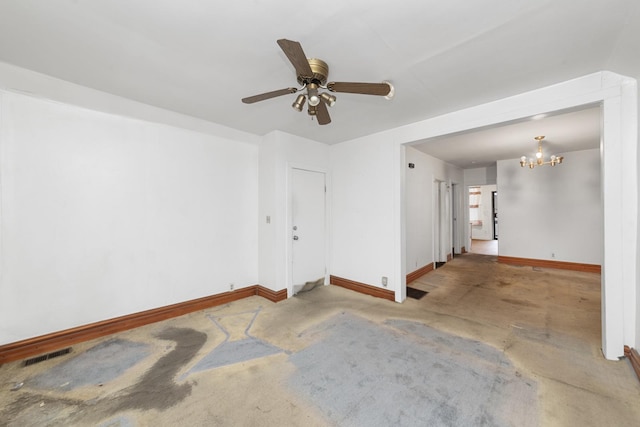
(415, 293)
(48, 356)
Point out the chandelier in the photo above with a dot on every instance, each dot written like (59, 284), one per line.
(539, 160)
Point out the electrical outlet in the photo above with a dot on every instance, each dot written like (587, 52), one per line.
(384, 281)
(231, 286)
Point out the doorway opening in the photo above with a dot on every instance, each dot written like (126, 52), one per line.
(456, 239)
(442, 242)
(494, 208)
(483, 218)
(618, 146)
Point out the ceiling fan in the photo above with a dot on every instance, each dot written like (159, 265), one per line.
(312, 75)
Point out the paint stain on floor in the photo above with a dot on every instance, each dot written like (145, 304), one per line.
(98, 365)
(408, 373)
(156, 389)
(236, 348)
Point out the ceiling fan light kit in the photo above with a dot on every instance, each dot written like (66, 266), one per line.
(330, 100)
(312, 74)
(299, 102)
(539, 160)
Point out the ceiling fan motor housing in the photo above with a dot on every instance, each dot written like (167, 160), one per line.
(320, 71)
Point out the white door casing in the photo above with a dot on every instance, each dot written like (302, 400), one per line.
(436, 222)
(445, 221)
(455, 212)
(441, 221)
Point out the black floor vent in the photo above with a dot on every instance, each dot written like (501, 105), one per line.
(415, 293)
(48, 356)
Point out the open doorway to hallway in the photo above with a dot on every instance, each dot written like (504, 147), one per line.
(483, 219)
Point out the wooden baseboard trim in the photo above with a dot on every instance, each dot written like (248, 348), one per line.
(273, 296)
(634, 358)
(464, 250)
(363, 288)
(419, 272)
(449, 257)
(61, 339)
(589, 268)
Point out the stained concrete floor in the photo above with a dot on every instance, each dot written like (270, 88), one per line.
(335, 357)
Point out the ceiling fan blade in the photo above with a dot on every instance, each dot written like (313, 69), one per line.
(296, 55)
(381, 89)
(269, 95)
(322, 113)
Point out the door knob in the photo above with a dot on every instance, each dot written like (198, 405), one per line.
(295, 237)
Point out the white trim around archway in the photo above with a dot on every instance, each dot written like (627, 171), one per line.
(618, 96)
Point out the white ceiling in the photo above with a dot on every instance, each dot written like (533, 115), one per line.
(201, 57)
(564, 132)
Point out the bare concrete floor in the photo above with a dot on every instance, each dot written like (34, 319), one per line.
(234, 364)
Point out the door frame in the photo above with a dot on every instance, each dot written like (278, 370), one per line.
(289, 222)
(435, 208)
(494, 213)
(446, 241)
(456, 210)
(442, 223)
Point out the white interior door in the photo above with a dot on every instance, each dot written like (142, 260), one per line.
(308, 252)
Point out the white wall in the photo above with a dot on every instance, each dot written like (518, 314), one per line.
(280, 151)
(419, 211)
(103, 216)
(552, 210)
(420, 204)
(362, 210)
(480, 176)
